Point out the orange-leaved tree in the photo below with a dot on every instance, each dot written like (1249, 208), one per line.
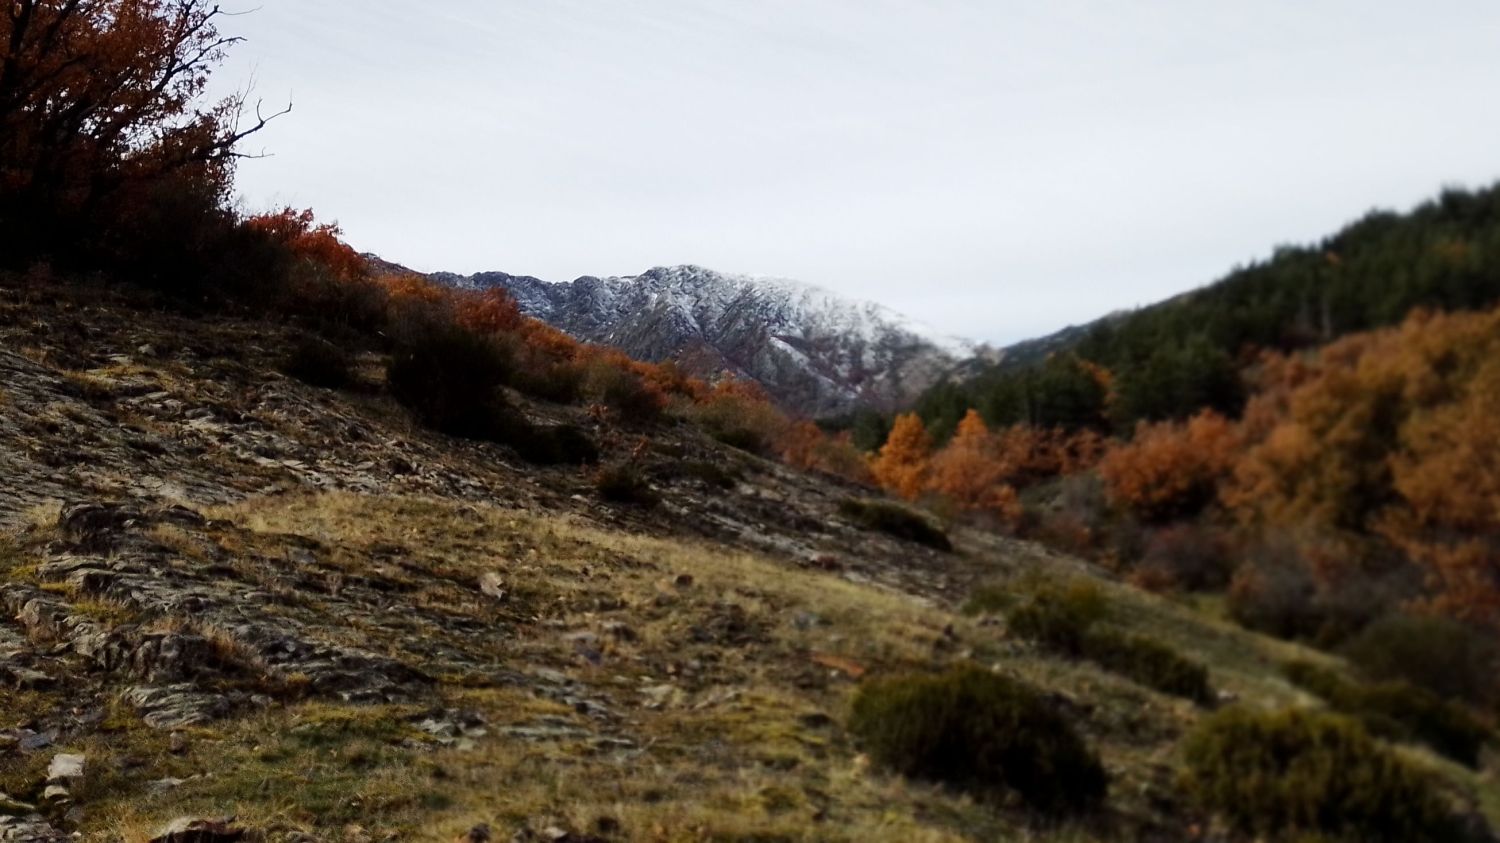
(970, 473)
(1171, 469)
(1390, 431)
(1320, 447)
(902, 465)
(1448, 476)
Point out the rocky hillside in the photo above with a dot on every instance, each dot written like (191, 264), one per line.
(238, 607)
(814, 351)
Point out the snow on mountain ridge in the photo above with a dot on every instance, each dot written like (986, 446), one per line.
(813, 350)
(814, 303)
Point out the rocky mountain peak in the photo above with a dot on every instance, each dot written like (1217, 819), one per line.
(813, 350)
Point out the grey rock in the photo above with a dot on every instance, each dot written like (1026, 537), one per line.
(29, 829)
(32, 741)
(196, 830)
(28, 679)
(66, 768)
(492, 585)
(177, 706)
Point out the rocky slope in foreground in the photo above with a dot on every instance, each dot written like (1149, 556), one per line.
(227, 593)
(815, 352)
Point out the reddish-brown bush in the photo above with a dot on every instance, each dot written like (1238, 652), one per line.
(1170, 470)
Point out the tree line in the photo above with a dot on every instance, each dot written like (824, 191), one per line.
(1170, 360)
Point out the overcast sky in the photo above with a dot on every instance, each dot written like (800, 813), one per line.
(996, 169)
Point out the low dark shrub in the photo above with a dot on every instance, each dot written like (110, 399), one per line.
(171, 234)
(1149, 663)
(1059, 615)
(623, 483)
(1441, 655)
(451, 378)
(559, 383)
(1191, 557)
(989, 600)
(334, 307)
(1071, 514)
(318, 362)
(562, 444)
(895, 520)
(1277, 598)
(742, 438)
(1274, 590)
(1398, 711)
(979, 732)
(1286, 774)
(1068, 532)
(632, 399)
(1064, 617)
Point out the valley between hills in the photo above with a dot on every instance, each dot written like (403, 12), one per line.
(232, 594)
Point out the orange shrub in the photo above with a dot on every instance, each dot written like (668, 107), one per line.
(670, 379)
(311, 242)
(804, 446)
(408, 287)
(738, 413)
(799, 445)
(488, 311)
(550, 341)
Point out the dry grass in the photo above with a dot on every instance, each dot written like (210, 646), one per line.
(725, 689)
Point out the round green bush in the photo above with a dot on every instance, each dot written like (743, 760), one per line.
(1149, 663)
(1289, 773)
(1438, 654)
(1059, 615)
(1398, 711)
(981, 733)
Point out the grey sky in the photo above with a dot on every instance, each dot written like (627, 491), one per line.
(997, 169)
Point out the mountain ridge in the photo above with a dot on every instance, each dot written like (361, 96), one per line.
(814, 351)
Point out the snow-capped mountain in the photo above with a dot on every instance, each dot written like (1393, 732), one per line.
(813, 350)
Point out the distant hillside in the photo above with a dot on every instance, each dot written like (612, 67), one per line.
(813, 351)
(1170, 359)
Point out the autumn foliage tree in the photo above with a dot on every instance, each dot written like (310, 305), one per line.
(970, 473)
(902, 465)
(1390, 434)
(1171, 469)
(1447, 474)
(103, 118)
